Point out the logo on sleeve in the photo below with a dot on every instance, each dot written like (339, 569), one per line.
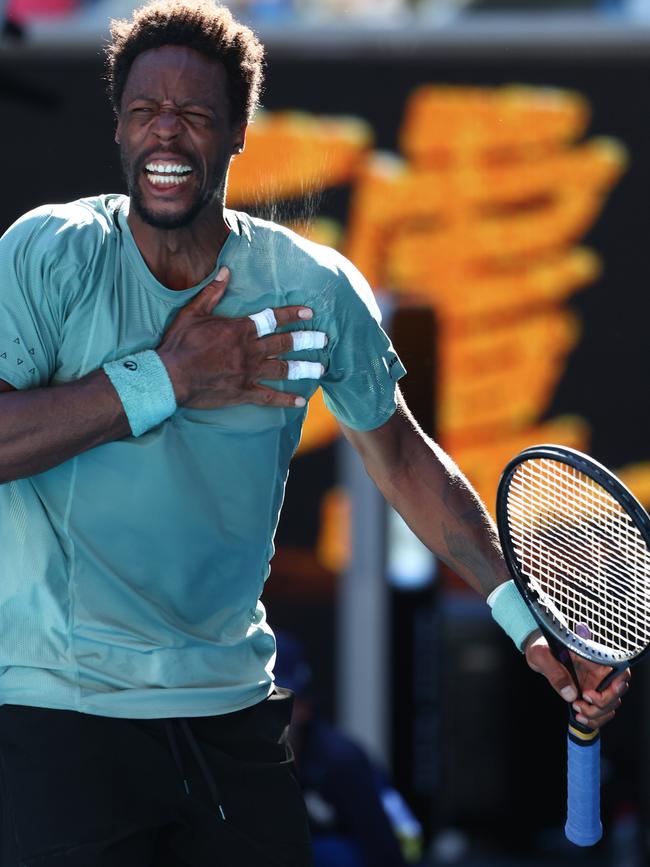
(18, 359)
(389, 364)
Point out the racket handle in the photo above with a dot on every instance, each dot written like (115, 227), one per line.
(583, 826)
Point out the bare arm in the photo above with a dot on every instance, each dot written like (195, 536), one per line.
(46, 426)
(429, 491)
(212, 362)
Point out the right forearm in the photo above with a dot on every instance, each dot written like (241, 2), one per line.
(44, 427)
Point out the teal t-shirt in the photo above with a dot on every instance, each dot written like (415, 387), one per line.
(131, 575)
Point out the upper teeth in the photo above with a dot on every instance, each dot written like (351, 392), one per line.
(168, 168)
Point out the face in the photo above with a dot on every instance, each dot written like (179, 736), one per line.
(175, 135)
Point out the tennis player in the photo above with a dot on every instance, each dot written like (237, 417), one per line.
(157, 354)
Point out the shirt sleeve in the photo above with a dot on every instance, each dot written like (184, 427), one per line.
(359, 385)
(28, 328)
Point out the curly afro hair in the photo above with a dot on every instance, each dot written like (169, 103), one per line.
(198, 24)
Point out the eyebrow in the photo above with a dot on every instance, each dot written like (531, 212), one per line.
(188, 102)
(196, 103)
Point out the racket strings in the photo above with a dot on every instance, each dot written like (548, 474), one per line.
(596, 511)
(582, 554)
(590, 515)
(560, 580)
(585, 534)
(570, 594)
(574, 605)
(589, 538)
(581, 493)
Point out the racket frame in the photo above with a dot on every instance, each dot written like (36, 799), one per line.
(583, 826)
(549, 624)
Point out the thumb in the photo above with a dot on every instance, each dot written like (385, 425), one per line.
(208, 298)
(540, 659)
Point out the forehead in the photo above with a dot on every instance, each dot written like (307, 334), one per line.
(176, 73)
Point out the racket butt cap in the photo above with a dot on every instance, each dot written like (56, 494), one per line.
(579, 838)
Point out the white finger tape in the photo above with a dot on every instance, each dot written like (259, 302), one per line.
(265, 322)
(305, 370)
(309, 340)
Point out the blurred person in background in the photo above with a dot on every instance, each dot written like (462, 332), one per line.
(23, 11)
(16, 15)
(157, 354)
(356, 816)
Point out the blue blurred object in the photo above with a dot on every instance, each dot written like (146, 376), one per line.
(410, 565)
(291, 667)
(272, 11)
(638, 10)
(612, 7)
(336, 850)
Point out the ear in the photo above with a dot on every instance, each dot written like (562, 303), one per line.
(118, 131)
(239, 139)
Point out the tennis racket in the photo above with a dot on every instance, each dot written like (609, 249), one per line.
(577, 544)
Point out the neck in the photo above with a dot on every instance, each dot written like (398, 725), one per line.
(181, 258)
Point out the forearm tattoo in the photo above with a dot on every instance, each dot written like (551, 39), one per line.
(464, 552)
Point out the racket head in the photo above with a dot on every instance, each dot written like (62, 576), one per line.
(577, 543)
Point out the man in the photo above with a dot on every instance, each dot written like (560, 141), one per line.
(156, 356)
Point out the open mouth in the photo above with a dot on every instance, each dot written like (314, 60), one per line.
(167, 174)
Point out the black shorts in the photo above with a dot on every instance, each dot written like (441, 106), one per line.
(90, 791)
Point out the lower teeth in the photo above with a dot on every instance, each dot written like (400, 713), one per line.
(166, 180)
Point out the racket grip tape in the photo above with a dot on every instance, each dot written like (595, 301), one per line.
(583, 826)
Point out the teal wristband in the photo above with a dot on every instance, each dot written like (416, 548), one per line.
(145, 389)
(511, 613)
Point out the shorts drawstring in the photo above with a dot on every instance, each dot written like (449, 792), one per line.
(208, 776)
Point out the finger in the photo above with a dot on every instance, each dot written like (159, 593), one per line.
(279, 369)
(593, 674)
(276, 344)
(208, 298)
(292, 341)
(540, 659)
(288, 315)
(621, 682)
(264, 322)
(590, 673)
(615, 690)
(308, 340)
(274, 368)
(595, 723)
(268, 397)
(590, 712)
(305, 370)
